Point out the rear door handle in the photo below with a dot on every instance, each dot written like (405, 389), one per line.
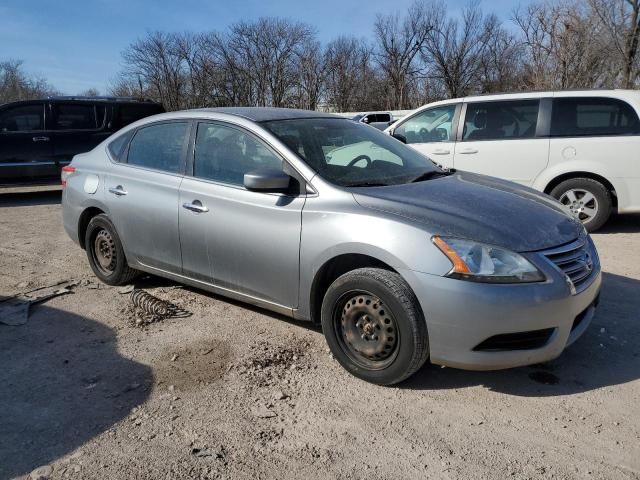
(119, 191)
(441, 151)
(40, 139)
(195, 206)
(468, 151)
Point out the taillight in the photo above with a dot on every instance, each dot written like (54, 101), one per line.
(67, 171)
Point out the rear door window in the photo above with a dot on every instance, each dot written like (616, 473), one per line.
(159, 146)
(593, 116)
(504, 120)
(22, 118)
(75, 116)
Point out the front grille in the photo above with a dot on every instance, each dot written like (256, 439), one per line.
(577, 261)
(516, 341)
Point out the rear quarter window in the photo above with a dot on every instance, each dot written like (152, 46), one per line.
(593, 116)
(118, 147)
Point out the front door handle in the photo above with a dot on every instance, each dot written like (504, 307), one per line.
(119, 191)
(441, 151)
(40, 139)
(195, 206)
(468, 151)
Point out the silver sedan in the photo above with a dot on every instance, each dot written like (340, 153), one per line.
(329, 221)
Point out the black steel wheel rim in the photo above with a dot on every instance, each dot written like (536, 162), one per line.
(104, 252)
(366, 330)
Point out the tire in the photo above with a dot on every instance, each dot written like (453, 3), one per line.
(108, 263)
(374, 326)
(573, 192)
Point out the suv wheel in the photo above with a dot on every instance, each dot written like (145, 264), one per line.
(374, 326)
(588, 200)
(105, 252)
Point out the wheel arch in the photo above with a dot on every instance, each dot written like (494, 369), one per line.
(83, 222)
(557, 180)
(334, 268)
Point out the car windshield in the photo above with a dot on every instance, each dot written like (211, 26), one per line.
(351, 154)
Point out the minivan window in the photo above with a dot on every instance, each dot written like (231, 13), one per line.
(159, 146)
(129, 113)
(75, 116)
(504, 120)
(428, 126)
(223, 153)
(592, 116)
(23, 118)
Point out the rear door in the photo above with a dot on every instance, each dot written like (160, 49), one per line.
(142, 194)
(236, 239)
(500, 138)
(75, 127)
(432, 132)
(25, 146)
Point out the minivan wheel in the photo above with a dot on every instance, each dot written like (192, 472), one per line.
(105, 252)
(588, 200)
(374, 326)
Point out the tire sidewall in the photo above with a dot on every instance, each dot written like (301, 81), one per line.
(96, 224)
(396, 371)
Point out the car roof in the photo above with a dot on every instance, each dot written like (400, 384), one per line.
(265, 114)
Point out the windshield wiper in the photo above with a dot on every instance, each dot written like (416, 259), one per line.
(367, 184)
(430, 174)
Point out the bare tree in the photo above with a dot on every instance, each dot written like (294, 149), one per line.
(16, 84)
(399, 40)
(621, 22)
(347, 61)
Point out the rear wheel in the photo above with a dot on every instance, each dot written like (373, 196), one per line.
(374, 326)
(588, 200)
(105, 252)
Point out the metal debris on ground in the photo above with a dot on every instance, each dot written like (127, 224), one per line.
(152, 309)
(14, 310)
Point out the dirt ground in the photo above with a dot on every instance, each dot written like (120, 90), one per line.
(236, 392)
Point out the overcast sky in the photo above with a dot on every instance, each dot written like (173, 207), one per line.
(76, 44)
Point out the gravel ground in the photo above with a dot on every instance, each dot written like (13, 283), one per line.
(237, 392)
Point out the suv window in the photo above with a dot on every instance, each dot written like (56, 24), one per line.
(506, 120)
(129, 113)
(382, 118)
(159, 146)
(23, 118)
(431, 125)
(225, 154)
(75, 116)
(592, 116)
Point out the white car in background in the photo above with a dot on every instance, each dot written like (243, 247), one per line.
(581, 147)
(379, 120)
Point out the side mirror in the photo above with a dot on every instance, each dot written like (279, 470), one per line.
(399, 136)
(267, 181)
(365, 120)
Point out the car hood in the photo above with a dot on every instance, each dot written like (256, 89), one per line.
(479, 208)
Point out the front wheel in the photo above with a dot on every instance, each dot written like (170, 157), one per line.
(374, 326)
(588, 200)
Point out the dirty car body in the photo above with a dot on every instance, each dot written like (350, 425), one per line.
(259, 205)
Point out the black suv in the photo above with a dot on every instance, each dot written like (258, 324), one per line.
(39, 137)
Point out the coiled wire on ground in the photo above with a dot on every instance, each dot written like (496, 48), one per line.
(155, 307)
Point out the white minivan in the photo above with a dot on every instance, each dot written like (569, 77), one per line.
(581, 147)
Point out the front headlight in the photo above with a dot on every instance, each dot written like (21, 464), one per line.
(478, 262)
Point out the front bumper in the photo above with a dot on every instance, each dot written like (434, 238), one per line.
(460, 315)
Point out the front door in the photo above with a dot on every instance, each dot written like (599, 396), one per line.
(142, 194)
(499, 139)
(25, 147)
(236, 239)
(432, 133)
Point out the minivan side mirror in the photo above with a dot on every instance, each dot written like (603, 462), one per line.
(267, 181)
(399, 136)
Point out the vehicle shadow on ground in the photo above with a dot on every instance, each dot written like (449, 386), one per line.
(28, 199)
(63, 382)
(607, 354)
(622, 224)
